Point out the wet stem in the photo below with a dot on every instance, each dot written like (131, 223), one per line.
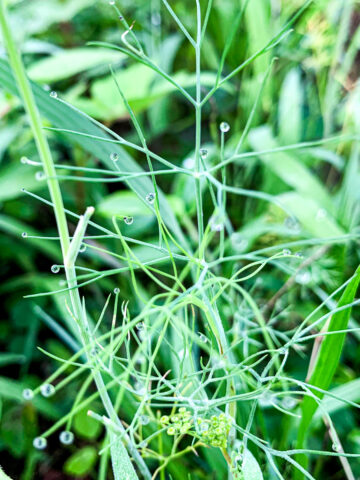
(198, 118)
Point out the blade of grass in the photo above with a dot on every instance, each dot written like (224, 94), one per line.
(326, 363)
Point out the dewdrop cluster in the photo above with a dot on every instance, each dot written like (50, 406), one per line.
(215, 431)
(178, 424)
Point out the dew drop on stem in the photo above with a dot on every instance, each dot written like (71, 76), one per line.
(39, 176)
(53, 94)
(128, 220)
(40, 443)
(203, 153)
(224, 127)
(116, 291)
(286, 252)
(24, 234)
(55, 268)
(47, 390)
(66, 437)
(83, 248)
(114, 157)
(28, 394)
(335, 447)
(144, 419)
(150, 197)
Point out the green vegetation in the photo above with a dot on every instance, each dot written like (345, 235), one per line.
(180, 211)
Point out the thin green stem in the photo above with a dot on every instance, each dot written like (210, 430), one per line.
(198, 116)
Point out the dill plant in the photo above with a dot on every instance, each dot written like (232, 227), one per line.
(190, 381)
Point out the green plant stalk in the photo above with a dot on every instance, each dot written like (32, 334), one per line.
(198, 117)
(122, 465)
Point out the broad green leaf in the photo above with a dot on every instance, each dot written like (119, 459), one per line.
(349, 391)
(81, 462)
(3, 475)
(9, 358)
(12, 226)
(140, 88)
(289, 168)
(62, 116)
(312, 217)
(86, 426)
(327, 361)
(7, 135)
(14, 177)
(250, 467)
(37, 15)
(70, 62)
(258, 16)
(125, 203)
(290, 108)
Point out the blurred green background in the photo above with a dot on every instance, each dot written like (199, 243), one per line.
(312, 93)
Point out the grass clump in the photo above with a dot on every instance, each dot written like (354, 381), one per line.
(179, 349)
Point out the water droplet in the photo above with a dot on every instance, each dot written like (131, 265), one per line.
(83, 248)
(39, 176)
(220, 364)
(181, 353)
(303, 278)
(143, 444)
(203, 427)
(140, 388)
(121, 17)
(216, 223)
(28, 394)
(321, 214)
(24, 234)
(53, 94)
(156, 19)
(24, 160)
(203, 338)
(299, 255)
(66, 437)
(288, 403)
(55, 268)
(189, 163)
(224, 127)
(336, 447)
(40, 443)
(129, 220)
(94, 351)
(286, 252)
(140, 326)
(292, 224)
(114, 157)
(144, 419)
(239, 242)
(150, 197)
(47, 390)
(203, 153)
(111, 2)
(116, 291)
